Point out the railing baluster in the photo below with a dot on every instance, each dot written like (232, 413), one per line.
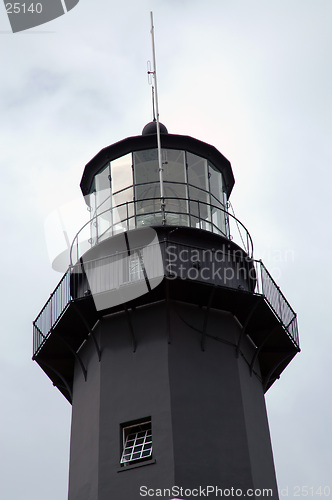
(280, 310)
(199, 214)
(77, 253)
(262, 281)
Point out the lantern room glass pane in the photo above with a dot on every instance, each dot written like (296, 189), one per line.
(217, 200)
(126, 193)
(103, 189)
(103, 221)
(216, 185)
(112, 189)
(121, 173)
(146, 169)
(92, 202)
(147, 188)
(175, 187)
(122, 193)
(199, 192)
(197, 171)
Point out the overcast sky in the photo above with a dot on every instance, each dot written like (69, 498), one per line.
(251, 77)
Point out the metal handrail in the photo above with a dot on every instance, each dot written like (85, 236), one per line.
(52, 311)
(265, 286)
(248, 248)
(139, 184)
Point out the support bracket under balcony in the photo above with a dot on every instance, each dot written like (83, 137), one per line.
(87, 326)
(245, 325)
(268, 377)
(259, 348)
(58, 374)
(76, 355)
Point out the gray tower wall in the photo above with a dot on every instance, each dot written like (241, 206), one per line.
(209, 423)
(84, 451)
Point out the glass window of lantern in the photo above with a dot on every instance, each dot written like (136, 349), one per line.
(121, 173)
(145, 170)
(122, 193)
(103, 189)
(199, 192)
(216, 184)
(175, 186)
(147, 187)
(216, 191)
(91, 200)
(103, 221)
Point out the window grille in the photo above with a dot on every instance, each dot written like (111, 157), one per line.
(135, 267)
(137, 442)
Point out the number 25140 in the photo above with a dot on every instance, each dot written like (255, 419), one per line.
(17, 8)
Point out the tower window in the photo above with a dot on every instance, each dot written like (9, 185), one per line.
(135, 267)
(137, 442)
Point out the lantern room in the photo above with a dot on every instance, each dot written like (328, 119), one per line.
(122, 188)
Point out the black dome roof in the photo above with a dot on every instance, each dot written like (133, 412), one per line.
(151, 128)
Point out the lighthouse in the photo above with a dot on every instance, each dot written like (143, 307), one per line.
(165, 332)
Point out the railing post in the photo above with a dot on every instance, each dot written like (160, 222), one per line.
(51, 301)
(77, 257)
(199, 213)
(227, 225)
(280, 308)
(135, 212)
(261, 269)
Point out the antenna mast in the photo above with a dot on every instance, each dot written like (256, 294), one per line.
(155, 102)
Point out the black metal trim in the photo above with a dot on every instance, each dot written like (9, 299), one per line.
(126, 239)
(170, 141)
(141, 261)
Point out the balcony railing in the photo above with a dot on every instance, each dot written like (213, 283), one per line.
(263, 285)
(268, 288)
(126, 216)
(51, 312)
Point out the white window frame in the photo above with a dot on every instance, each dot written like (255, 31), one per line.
(136, 442)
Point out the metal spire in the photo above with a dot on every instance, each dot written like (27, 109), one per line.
(156, 111)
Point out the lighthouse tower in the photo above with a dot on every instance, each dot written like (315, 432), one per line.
(165, 332)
